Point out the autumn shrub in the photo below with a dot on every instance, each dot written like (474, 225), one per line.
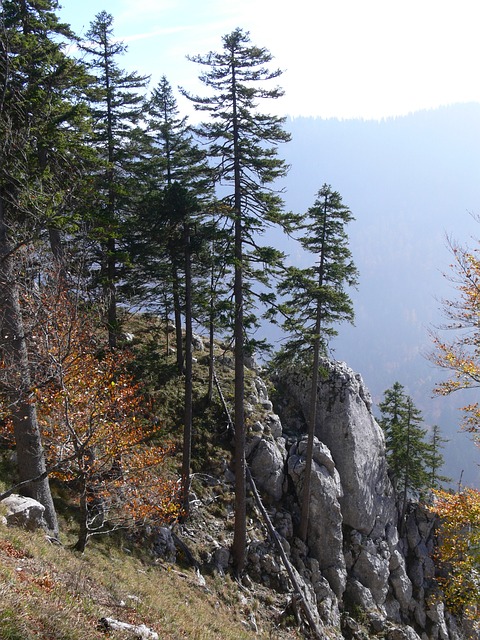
(458, 553)
(99, 432)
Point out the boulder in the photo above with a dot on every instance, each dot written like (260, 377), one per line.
(402, 633)
(163, 544)
(272, 422)
(24, 512)
(267, 465)
(141, 632)
(373, 572)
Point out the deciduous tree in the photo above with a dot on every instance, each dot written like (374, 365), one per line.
(460, 356)
(96, 423)
(458, 552)
(459, 535)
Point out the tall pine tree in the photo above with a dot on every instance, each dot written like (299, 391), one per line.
(243, 145)
(117, 108)
(316, 300)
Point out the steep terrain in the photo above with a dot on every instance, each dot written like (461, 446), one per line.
(355, 578)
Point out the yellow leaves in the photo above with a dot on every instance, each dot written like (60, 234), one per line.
(459, 548)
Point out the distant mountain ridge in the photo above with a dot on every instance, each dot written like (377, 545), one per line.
(410, 182)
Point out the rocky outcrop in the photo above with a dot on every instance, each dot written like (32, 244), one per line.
(325, 537)
(353, 559)
(345, 424)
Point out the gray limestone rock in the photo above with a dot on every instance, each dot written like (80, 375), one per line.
(24, 512)
(402, 633)
(272, 421)
(357, 594)
(373, 572)
(354, 555)
(267, 464)
(347, 427)
(325, 537)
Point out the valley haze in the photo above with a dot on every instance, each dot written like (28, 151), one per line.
(411, 182)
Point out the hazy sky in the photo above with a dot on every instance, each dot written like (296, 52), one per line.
(342, 58)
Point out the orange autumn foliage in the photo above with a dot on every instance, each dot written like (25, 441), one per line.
(461, 355)
(98, 430)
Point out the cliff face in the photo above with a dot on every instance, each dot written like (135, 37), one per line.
(354, 559)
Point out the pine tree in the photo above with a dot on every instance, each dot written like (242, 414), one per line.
(166, 232)
(408, 452)
(42, 125)
(436, 459)
(117, 108)
(174, 158)
(316, 300)
(243, 145)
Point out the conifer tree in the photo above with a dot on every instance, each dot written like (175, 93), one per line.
(409, 455)
(436, 459)
(243, 145)
(177, 187)
(173, 158)
(117, 108)
(316, 300)
(42, 124)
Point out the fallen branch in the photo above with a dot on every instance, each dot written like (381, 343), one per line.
(139, 631)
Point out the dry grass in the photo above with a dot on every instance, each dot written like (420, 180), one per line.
(48, 592)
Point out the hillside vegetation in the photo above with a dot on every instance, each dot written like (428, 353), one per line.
(49, 591)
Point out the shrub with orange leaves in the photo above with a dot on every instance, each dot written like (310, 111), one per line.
(458, 552)
(98, 432)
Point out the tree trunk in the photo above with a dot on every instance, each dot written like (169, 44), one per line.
(211, 330)
(307, 483)
(240, 531)
(187, 429)
(18, 391)
(111, 293)
(406, 480)
(239, 546)
(177, 311)
(83, 531)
